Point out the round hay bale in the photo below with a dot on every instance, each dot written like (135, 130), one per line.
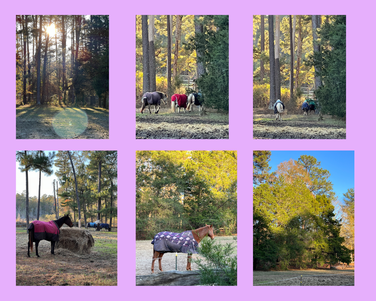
(76, 240)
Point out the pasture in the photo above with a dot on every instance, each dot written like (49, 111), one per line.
(296, 126)
(304, 278)
(189, 125)
(144, 255)
(49, 122)
(65, 268)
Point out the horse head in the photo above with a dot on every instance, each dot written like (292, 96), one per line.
(211, 231)
(68, 221)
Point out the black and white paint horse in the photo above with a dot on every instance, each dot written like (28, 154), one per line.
(152, 99)
(278, 109)
(195, 99)
(50, 231)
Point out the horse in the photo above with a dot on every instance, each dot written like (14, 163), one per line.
(96, 225)
(308, 107)
(278, 110)
(152, 99)
(106, 226)
(45, 231)
(179, 101)
(185, 242)
(194, 99)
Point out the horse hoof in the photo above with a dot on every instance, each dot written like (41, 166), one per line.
(38, 256)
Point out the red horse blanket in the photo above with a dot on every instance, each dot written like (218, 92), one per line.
(175, 242)
(46, 230)
(182, 100)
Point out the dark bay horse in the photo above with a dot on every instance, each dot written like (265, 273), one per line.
(152, 99)
(45, 231)
(185, 242)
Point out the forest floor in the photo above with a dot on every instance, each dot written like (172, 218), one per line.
(65, 268)
(49, 122)
(296, 126)
(189, 125)
(144, 255)
(312, 277)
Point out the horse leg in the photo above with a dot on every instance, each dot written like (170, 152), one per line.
(28, 247)
(160, 261)
(36, 247)
(156, 112)
(152, 263)
(52, 247)
(189, 259)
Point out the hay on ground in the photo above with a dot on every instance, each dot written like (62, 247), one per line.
(76, 240)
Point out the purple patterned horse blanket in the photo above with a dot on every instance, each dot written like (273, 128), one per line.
(151, 98)
(175, 242)
(46, 230)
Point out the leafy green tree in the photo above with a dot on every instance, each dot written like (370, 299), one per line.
(261, 166)
(330, 64)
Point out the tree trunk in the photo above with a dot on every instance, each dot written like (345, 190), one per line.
(199, 29)
(40, 183)
(58, 72)
(177, 40)
(169, 88)
(145, 56)
(75, 80)
(28, 59)
(99, 187)
(272, 62)
(112, 185)
(39, 58)
(56, 216)
(277, 66)
(57, 199)
(262, 69)
(77, 198)
(44, 92)
(292, 37)
(153, 84)
(64, 45)
(24, 29)
(316, 23)
(299, 52)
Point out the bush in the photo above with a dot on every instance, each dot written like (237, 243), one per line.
(261, 95)
(219, 266)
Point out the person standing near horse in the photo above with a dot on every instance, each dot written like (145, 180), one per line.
(50, 231)
(185, 242)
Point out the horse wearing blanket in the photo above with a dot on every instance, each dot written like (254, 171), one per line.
(185, 242)
(179, 101)
(50, 231)
(278, 109)
(152, 99)
(195, 99)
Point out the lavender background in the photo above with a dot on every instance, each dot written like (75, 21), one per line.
(360, 137)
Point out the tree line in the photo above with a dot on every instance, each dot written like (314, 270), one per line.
(184, 190)
(62, 59)
(294, 219)
(171, 47)
(300, 52)
(86, 185)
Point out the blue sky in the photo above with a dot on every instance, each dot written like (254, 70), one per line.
(340, 164)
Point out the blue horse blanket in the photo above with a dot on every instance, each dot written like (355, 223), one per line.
(45, 230)
(151, 98)
(175, 242)
(305, 106)
(105, 226)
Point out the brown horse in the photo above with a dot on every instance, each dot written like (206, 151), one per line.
(185, 242)
(50, 231)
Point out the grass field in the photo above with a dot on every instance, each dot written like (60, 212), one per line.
(65, 268)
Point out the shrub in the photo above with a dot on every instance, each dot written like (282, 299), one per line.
(261, 95)
(219, 266)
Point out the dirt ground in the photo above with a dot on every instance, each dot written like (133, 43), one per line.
(43, 122)
(304, 278)
(144, 255)
(296, 126)
(66, 268)
(189, 125)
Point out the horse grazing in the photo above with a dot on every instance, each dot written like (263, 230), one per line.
(185, 242)
(307, 107)
(194, 99)
(278, 109)
(179, 101)
(45, 231)
(152, 99)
